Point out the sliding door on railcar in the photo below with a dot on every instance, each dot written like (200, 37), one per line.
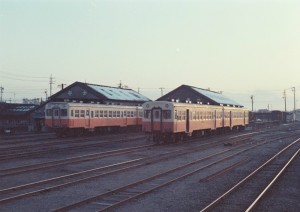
(56, 122)
(156, 119)
(87, 118)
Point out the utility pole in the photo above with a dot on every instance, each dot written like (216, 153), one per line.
(51, 82)
(252, 101)
(161, 91)
(120, 84)
(294, 116)
(284, 97)
(61, 85)
(46, 94)
(1, 93)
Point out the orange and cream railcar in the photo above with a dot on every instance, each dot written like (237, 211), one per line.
(76, 118)
(174, 121)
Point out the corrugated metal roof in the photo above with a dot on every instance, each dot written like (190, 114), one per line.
(217, 97)
(16, 109)
(118, 93)
(22, 108)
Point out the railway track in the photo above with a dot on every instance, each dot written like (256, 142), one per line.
(109, 169)
(247, 192)
(72, 160)
(70, 146)
(116, 197)
(58, 183)
(88, 157)
(39, 141)
(26, 137)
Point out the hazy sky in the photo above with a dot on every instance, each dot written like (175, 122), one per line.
(240, 47)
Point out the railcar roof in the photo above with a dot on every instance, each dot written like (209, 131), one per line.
(118, 93)
(181, 104)
(78, 104)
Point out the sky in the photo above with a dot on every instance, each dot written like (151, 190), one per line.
(240, 47)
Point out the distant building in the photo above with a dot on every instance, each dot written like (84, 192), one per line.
(298, 115)
(15, 117)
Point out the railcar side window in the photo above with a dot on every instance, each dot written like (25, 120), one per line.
(118, 114)
(101, 113)
(105, 114)
(87, 112)
(156, 114)
(63, 112)
(55, 112)
(96, 113)
(109, 114)
(49, 112)
(72, 113)
(92, 114)
(166, 114)
(114, 114)
(194, 115)
(147, 114)
(76, 113)
(140, 114)
(82, 113)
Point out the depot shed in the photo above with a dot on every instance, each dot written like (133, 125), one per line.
(15, 117)
(191, 94)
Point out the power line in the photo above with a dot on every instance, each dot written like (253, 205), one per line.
(21, 75)
(19, 79)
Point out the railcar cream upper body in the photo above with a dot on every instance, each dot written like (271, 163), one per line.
(178, 111)
(85, 110)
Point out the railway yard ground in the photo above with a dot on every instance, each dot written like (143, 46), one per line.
(252, 170)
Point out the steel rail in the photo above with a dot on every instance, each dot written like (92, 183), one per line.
(91, 199)
(57, 141)
(225, 170)
(21, 169)
(252, 206)
(29, 154)
(220, 198)
(146, 161)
